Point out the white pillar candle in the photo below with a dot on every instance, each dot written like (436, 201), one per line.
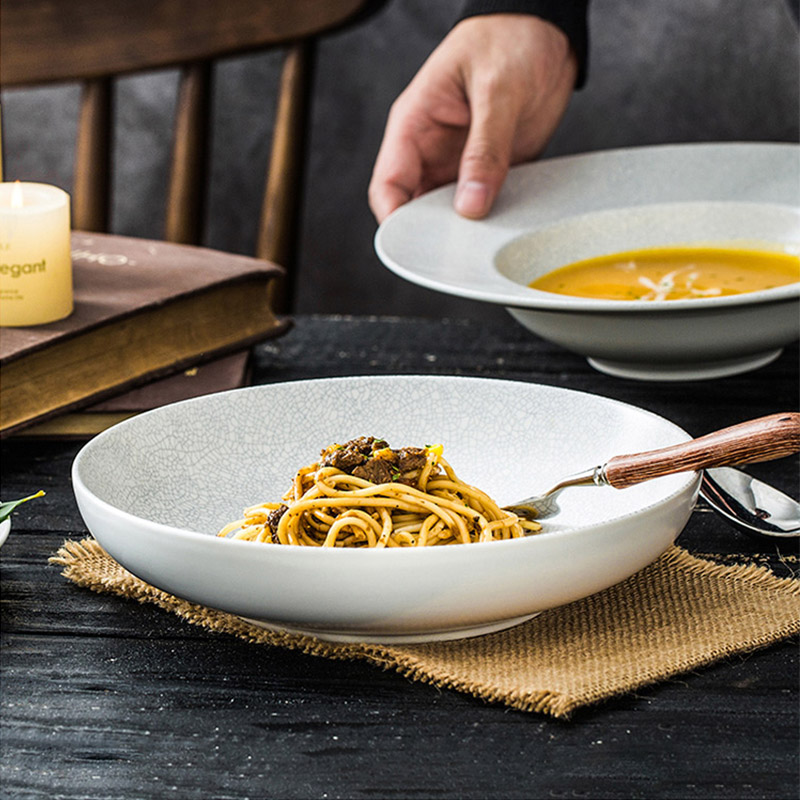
(35, 259)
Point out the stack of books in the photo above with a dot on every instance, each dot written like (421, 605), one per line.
(153, 323)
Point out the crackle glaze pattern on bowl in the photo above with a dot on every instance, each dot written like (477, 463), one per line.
(557, 211)
(154, 490)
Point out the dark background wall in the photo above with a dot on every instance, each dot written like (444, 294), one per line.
(660, 71)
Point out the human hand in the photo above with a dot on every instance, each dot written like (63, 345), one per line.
(489, 96)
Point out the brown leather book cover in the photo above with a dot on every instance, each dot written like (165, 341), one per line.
(219, 375)
(143, 310)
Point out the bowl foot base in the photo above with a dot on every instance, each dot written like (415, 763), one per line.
(395, 638)
(683, 372)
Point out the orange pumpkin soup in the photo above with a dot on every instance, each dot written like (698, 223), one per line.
(672, 273)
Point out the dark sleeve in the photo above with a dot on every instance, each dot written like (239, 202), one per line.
(569, 15)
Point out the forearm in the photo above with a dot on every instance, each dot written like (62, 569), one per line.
(568, 15)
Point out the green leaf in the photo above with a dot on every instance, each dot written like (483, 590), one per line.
(7, 508)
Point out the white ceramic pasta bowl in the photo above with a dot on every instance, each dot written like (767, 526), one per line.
(562, 210)
(155, 489)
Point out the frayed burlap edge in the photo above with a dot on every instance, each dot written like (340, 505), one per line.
(86, 564)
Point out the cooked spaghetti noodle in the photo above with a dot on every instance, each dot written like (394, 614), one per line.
(365, 494)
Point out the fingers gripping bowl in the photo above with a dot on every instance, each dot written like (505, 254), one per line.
(155, 490)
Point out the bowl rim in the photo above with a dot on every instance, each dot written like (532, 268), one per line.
(503, 229)
(513, 294)
(82, 491)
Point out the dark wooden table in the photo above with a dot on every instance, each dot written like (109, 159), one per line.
(105, 698)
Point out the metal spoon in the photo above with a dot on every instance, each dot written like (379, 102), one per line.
(750, 505)
(763, 439)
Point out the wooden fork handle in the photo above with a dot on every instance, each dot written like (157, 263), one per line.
(763, 439)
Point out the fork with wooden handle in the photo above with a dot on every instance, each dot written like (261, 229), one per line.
(762, 439)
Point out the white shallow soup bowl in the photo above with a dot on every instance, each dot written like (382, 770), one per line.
(155, 489)
(555, 212)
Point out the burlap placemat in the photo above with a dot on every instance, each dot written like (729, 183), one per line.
(680, 613)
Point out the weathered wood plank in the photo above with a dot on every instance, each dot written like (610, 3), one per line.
(134, 711)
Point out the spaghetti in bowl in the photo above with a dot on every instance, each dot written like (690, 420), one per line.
(364, 493)
(157, 489)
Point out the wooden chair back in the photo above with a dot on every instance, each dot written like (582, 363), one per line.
(93, 41)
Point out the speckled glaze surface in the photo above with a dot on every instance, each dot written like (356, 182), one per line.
(560, 210)
(154, 490)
